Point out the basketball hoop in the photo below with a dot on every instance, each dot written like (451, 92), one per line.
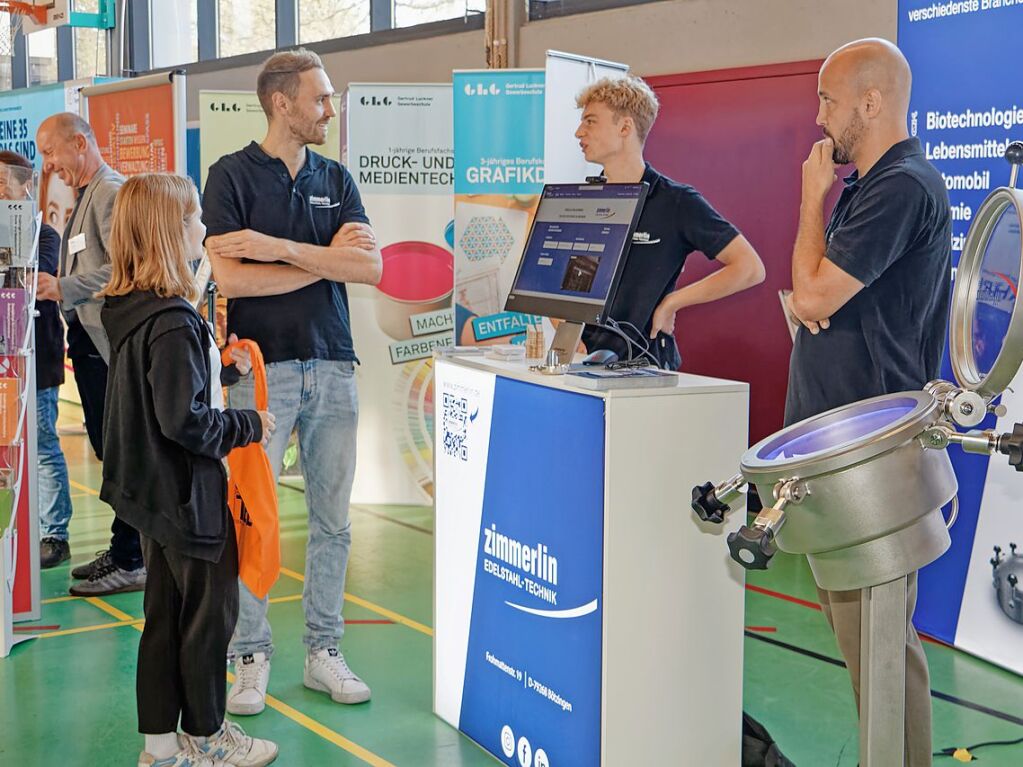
(27, 16)
(18, 12)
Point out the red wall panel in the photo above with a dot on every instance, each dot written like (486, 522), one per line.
(740, 136)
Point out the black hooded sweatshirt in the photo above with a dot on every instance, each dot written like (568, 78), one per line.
(163, 442)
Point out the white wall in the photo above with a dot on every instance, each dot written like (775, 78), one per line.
(414, 61)
(697, 35)
(653, 38)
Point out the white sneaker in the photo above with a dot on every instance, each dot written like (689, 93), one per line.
(248, 693)
(190, 755)
(326, 671)
(232, 746)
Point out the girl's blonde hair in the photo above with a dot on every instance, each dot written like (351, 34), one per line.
(148, 250)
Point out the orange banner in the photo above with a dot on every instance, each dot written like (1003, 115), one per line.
(135, 129)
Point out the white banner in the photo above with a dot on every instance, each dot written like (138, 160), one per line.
(567, 75)
(398, 148)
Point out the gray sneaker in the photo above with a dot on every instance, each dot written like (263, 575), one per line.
(84, 571)
(108, 578)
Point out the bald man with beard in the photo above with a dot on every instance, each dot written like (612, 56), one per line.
(871, 289)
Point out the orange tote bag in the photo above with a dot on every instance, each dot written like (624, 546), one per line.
(252, 496)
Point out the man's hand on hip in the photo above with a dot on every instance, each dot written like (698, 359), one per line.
(819, 171)
(247, 244)
(48, 288)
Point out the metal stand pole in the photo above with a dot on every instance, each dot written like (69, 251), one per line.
(883, 674)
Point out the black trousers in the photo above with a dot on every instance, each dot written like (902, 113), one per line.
(91, 379)
(191, 609)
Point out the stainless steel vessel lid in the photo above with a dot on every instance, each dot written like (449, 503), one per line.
(986, 325)
(841, 437)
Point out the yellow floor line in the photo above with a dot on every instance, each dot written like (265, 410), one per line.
(323, 731)
(396, 617)
(57, 600)
(308, 722)
(277, 705)
(134, 622)
(83, 488)
(87, 629)
(109, 609)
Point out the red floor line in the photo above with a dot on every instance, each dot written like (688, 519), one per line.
(762, 629)
(817, 607)
(785, 597)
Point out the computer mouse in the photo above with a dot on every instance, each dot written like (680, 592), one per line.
(600, 357)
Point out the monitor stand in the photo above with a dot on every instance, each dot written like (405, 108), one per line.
(562, 349)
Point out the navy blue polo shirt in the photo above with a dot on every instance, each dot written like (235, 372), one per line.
(892, 231)
(251, 190)
(676, 220)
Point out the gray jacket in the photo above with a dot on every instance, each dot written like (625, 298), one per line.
(84, 273)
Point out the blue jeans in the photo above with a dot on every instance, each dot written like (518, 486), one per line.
(319, 397)
(54, 490)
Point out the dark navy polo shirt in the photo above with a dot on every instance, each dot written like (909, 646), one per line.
(676, 220)
(251, 190)
(892, 231)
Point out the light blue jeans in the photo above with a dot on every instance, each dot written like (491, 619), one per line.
(54, 490)
(319, 397)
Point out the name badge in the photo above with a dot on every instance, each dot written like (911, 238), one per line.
(76, 244)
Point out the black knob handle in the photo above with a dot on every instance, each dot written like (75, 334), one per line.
(707, 506)
(752, 547)
(1012, 444)
(1014, 153)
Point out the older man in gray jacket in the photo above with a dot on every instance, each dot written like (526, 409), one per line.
(68, 148)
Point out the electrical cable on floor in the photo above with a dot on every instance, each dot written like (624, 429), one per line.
(966, 754)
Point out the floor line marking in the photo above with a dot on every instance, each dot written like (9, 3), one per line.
(363, 510)
(109, 609)
(323, 731)
(58, 600)
(396, 617)
(87, 629)
(140, 621)
(979, 707)
(817, 607)
(309, 723)
(83, 488)
(379, 610)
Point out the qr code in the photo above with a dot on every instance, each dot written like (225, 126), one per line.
(456, 421)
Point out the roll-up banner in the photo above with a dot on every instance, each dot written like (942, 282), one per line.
(229, 120)
(566, 76)
(499, 174)
(399, 150)
(139, 123)
(966, 108)
(22, 111)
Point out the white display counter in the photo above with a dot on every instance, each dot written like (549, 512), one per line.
(584, 617)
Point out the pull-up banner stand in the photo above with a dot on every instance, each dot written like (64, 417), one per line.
(140, 123)
(566, 76)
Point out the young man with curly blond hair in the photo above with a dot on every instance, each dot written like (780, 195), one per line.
(676, 220)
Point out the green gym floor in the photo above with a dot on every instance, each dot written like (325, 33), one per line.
(68, 697)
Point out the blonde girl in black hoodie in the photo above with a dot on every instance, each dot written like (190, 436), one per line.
(163, 475)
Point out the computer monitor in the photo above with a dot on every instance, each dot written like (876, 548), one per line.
(574, 258)
(576, 250)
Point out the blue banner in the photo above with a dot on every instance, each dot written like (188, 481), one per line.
(533, 668)
(966, 107)
(499, 131)
(21, 113)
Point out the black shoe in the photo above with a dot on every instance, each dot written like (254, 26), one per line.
(53, 551)
(84, 572)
